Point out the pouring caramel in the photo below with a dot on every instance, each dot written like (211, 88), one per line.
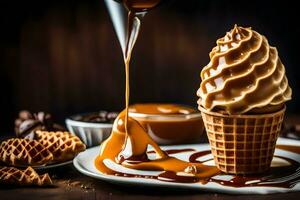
(130, 150)
(129, 142)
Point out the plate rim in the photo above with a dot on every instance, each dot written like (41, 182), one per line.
(190, 186)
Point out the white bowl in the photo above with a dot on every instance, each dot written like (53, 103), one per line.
(90, 133)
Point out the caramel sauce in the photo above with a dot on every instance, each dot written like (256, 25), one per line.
(160, 109)
(130, 151)
(174, 151)
(128, 142)
(282, 176)
(174, 132)
(169, 123)
(294, 149)
(193, 158)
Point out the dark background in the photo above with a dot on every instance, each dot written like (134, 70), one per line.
(63, 56)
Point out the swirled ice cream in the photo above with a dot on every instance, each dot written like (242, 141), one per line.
(245, 75)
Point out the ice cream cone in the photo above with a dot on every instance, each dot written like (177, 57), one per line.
(242, 144)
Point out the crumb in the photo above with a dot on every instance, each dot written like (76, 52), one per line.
(75, 183)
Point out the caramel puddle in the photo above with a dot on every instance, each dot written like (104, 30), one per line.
(131, 152)
(286, 176)
(291, 148)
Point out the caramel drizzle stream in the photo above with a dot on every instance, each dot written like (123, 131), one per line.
(128, 142)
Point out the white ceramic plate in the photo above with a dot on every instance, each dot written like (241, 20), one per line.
(84, 162)
(50, 166)
(54, 165)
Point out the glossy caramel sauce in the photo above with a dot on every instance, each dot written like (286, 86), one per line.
(291, 148)
(281, 176)
(169, 123)
(129, 142)
(174, 132)
(174, 151)
(160, 109)
(285, 176)
(130, 151)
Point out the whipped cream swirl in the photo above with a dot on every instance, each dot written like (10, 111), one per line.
(245, 75)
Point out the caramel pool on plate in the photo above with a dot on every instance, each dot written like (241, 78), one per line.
(169, 123)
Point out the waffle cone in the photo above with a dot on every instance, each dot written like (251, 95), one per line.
(24, 152)
(26, 177)
(63, 145)
(242, 144)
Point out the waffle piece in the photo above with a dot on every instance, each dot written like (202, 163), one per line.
(26, 177)
(62, 145)
(242, 144)
(24, 152)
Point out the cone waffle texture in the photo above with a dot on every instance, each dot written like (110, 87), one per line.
(26, 177)
(242, 144)
(62, 145)
(24, 152)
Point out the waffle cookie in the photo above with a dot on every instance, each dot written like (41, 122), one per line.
(63, 145)
(26, 177)
(24, 152)
(242, 144)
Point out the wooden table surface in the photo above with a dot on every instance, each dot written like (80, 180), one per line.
(70, 184)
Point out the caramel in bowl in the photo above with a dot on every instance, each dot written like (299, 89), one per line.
(169, 123)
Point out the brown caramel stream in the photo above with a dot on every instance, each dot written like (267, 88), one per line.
(129, 141)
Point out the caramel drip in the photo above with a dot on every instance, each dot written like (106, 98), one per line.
(286, 176)
(163, 109)
(129, 142)
(134, 155)
(244, 75)
(127, 90)
(294, 149)
(133, 31)
(175, 151)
